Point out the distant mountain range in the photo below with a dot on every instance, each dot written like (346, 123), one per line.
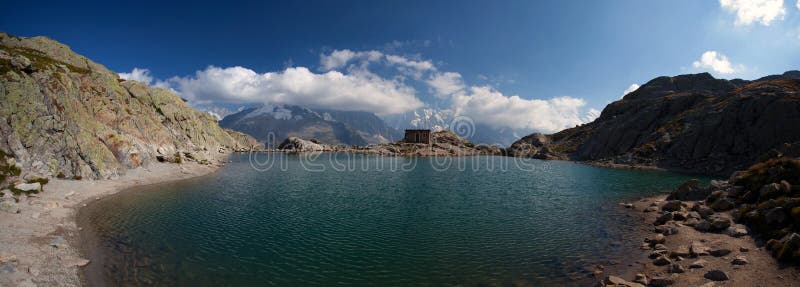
(692, 123)
(326, 126)
(352, 128)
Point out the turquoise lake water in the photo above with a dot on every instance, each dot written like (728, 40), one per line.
(353, 220)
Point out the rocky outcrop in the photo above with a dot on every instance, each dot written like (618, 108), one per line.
(690, 122)
(298, 144)
(535, 145)
(62, 115)
(443, 143)
(765, 198)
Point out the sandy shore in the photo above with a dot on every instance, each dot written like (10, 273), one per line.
(41, 245)
(760, 269)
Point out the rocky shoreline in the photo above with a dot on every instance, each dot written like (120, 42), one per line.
(47, 247)
(720, 235)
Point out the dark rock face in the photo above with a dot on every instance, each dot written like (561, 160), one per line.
(535, 145)
(690, 122)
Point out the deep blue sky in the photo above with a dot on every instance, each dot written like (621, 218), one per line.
(586, 49)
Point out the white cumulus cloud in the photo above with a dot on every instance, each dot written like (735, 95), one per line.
(339, 58)
(591, 115)
(715, 61)
(141, 75)
(346, 87)
(446, 84)
(749, 11)
(405, 62)
(630, 89)
(359, 90)
(485, 105)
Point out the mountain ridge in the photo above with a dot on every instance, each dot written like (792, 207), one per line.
(692, 123)
(66, 116)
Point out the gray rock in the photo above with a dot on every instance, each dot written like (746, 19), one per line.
(716, 275)
(21, 62)
(616, 281)
(786, 187)
(666, 229)
(703, 226)
(720, 223)
(737, 231)
(661, 261)
(692, 222)
(641, 279)
(698, 249)
(689, 190)
(660, 247)
(664, 218)
(31, 187)
(704, 211)
(775, 216)
(672, 205)
(676, 268)
(769, 191)
(719, 184)
(9, 206)
(657, 253)
(58, 242)
(661, 281)
(657, 239)
(722, 204)
(719, 252)
(681, 251)
(740, 260)
(698, 264)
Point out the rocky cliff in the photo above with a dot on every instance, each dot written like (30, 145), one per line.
(62, 115)
(691, 123)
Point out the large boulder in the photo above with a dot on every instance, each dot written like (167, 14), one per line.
(717, 275)
(29, 187)
(298, 144)
(689, 190)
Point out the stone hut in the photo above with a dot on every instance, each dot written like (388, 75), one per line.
(418, 136)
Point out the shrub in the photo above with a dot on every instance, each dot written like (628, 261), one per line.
(770, 171)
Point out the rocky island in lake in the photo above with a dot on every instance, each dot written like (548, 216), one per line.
(400, 144)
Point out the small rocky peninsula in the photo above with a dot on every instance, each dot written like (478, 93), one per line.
(443, 143)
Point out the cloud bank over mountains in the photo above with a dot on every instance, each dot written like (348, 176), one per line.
(346, 82)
